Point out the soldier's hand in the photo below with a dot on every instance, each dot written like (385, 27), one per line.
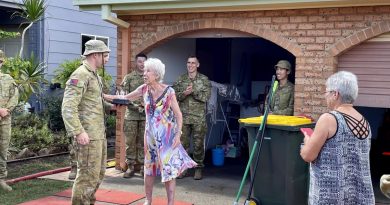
(4, 112)
(188, 90)
(82, 138)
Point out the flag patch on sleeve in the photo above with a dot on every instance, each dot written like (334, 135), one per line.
(74, 82)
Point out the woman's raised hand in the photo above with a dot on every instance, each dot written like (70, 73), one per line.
(108, 97)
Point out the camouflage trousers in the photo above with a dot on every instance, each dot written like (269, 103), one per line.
(72, 152)
(5, 137)
(91, 167)
(198, 132)
(134, 131)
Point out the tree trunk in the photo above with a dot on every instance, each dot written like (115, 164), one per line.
(22, 43)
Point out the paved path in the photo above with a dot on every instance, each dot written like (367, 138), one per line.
(218, 187)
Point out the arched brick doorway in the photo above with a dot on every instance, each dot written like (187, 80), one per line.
(153, 40)
(169, 32)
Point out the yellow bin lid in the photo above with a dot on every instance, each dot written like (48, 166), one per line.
(278, 120)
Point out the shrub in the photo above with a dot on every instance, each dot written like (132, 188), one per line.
(53, 113)
(110, 125)
(31, 131)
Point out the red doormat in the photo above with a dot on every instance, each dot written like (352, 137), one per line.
(50, 200)
(163, 201)
(110, 196)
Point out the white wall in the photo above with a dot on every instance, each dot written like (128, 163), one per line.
(174, 54)
(64, 24)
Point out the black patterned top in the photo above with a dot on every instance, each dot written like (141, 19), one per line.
(341, 173)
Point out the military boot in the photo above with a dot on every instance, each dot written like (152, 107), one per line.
(72, 173)
(4, 186)
(129, 172)
(183, 174)
(198, 174)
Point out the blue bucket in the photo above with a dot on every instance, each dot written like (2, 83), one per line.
(218, 156)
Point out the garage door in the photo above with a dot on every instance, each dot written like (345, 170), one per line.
(370, 61)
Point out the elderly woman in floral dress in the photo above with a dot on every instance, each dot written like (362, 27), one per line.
(164, 154)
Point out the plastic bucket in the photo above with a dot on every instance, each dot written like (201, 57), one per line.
(218, 156)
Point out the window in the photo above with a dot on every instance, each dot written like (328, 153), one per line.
(87, 37)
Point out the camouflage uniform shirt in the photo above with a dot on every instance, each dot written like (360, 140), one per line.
(83, 105)
(193, 106)
(283, 100)
(135, 110)
(8, 96)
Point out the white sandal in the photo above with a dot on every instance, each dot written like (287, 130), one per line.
(147, 203)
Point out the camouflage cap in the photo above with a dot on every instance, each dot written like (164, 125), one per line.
(2, 55)
(95, 46)
(283, 64)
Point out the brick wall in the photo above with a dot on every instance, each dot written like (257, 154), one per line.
(315, 36)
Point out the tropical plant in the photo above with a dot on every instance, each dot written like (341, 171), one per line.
(32, 11)
(62, 74)
(8, 34)
(28, 75)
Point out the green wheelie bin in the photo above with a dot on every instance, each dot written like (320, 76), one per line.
(282, 176)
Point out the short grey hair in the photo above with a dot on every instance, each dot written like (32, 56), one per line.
(157, 67)
(345, 83)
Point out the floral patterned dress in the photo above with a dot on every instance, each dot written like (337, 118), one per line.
(160, 128)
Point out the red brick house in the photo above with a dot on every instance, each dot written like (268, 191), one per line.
(319, 37)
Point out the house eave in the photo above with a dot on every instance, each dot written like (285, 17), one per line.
(10, 4)
(142, 7)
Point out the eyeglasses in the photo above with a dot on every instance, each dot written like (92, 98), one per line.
(329, 91)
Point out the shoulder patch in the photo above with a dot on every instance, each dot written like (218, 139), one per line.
(75, 82)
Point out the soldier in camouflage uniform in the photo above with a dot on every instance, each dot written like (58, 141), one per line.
(8, 100)
(283, 100)
(134, 124)
(83, 115)
(193, 89)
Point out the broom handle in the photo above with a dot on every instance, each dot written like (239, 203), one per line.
(274, 83)
(261, 137)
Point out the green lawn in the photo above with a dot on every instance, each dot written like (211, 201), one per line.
(32, 189)
(37, 188)
(16, 170)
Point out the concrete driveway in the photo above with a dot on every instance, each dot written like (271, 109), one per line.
(218, 187)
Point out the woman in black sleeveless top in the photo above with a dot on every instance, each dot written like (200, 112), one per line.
(338, 150)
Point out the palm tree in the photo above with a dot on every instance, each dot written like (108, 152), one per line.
(29, 75)
(32, 11)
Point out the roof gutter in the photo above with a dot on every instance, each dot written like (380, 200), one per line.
(13, 5)
(107, 16)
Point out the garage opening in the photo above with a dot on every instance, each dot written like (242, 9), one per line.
(242, 62)
(370, 61)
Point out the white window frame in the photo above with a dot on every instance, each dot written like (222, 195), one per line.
(93, 37)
